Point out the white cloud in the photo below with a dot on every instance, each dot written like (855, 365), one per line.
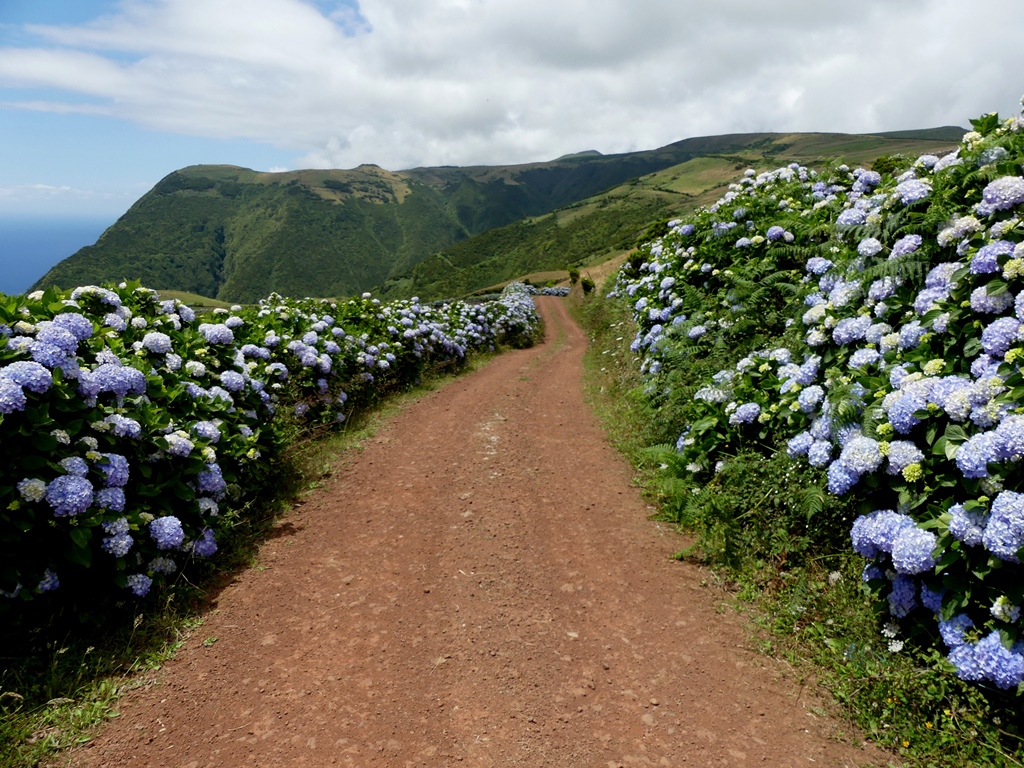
(404, 83)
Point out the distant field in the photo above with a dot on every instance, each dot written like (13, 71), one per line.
(194, 299)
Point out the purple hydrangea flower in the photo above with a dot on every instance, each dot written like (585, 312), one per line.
(851, 217)
(816, 265)
(111, 499)
(122, 426)
(902, 409)
(985, 303)
(974, 455)
(232, 381)
(841, 478)
(77, 325)
(12, 398)
(210, 480)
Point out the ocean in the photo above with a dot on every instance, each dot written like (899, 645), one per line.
(30, 245)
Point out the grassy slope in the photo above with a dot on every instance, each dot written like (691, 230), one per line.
(608, 224)
(238, 234)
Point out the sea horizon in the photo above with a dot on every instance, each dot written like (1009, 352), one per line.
(31, 244)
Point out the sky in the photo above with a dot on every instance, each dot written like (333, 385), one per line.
(100, 99)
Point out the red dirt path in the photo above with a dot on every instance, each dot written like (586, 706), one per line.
(480, 586)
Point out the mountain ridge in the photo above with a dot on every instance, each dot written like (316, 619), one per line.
(237, 234)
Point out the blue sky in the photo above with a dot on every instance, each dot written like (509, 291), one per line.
(99, 99)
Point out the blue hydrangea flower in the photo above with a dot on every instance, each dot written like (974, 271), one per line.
(115, 467)
(77, 325)
(902, 453)
(167, 532)
(985, 303)
(903, 598)
(216, 333)
(112, 499)
(28, 375)
(1004, 193)
(999, 335)
(820, 453)
(810, 397)
(905, 245)
(156, 342)
(967, 525)
(986, 260)
(206, 546)
(902, 409)
(974, 455)
(1004, 533)
(840, 478)
(12, 397)
(912, 551)
(210, 480)
(139, 584)
(869, 246)
(49, 582)
(745, 414)
(910, 335)
(799, 445)
(851, 217)
(1002, 666)
(123, 426)
(816, 265)
(75, 465)
(931, 599)
(952, 630)
(877, 532)
(232, 381)
(862, 358)
(69, 495)
(851, 329)
(912, 191)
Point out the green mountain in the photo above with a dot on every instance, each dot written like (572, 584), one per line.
(595, 229)
(235, 234)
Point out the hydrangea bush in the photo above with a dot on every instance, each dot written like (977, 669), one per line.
(876, 331)
(132, 431)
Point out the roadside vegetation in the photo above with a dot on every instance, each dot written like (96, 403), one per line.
(818, 377)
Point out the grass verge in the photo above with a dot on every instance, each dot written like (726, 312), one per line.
(62, 678)
(766, 526)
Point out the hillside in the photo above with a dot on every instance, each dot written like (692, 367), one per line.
(236, 234)
(599, 227)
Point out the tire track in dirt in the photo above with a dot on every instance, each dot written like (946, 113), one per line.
(480, 586)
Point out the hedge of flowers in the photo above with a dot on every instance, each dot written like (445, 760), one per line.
(131, 428)
(879, 328)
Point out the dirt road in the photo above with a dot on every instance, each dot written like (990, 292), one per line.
(479, 587)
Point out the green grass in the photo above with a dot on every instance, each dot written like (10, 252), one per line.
(61, 679)
(763, 528)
